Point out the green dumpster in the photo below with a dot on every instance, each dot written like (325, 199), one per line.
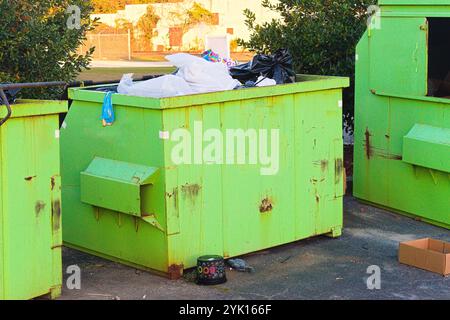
(177, 178)
(30, 210)
(402, 112)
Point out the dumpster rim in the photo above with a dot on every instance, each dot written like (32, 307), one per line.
(310, 83)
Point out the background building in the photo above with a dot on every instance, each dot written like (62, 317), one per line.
(178, 27)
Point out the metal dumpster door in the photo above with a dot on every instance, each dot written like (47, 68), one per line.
(398, 55)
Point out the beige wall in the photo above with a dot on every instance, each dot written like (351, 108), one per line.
(230, 16)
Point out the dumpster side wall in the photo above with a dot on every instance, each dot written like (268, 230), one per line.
(134, 139)
(30, 207)
(390, 102)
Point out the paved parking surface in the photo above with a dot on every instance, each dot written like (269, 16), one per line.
(318, 268)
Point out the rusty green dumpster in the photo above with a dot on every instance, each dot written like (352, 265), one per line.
(402, 112)
(30, 211)
(224, 173)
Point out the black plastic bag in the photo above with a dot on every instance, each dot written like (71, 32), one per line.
(10, 95)
(277, 66)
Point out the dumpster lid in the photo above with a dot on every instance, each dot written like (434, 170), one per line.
(27, 108)
(122, 171)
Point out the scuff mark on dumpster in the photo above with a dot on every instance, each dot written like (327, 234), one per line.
(56, 214)
(39, 206)
(324, 165)
(368, 146)
(191, 190)
(29, 178)
(391, 156)
(174, 195)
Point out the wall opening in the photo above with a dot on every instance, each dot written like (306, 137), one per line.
(439, 57)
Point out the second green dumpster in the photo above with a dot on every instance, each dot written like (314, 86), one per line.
(402, 110)
(30, 198)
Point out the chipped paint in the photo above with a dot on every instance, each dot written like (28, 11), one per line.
(175, 271)
(367, 145)
(266, 205)
(56, 215)
(191, 190)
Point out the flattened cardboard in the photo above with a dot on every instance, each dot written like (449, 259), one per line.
(428, 254)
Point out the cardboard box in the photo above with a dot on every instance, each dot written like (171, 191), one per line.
(428, 254)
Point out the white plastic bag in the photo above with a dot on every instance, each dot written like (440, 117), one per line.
(265, 82)
(161, 87)
(201, 75)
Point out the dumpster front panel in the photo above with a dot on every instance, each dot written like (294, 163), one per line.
(402, 112)
(233, 209)
(30, 211)
(203, 204)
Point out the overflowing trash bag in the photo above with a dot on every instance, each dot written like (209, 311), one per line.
(277, 66)
(203, 76)
(211, 73)
(10, 95)
(161, 87)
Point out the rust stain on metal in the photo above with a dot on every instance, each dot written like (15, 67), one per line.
(56, 215)
(368, 146)
(136, 223)
(52, 183)
(339, 167)
(29, 178)
(174, 195)
(324, 165)
(390, 156)
(191, 190)
(316, 181)
(378, 152)
(266, 205)
(175, 271)
(38, 207)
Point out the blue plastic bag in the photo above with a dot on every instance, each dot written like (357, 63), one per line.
(108, 116)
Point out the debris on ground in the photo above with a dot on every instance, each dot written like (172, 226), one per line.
(285, 259)
(240, 265)
(190, 276)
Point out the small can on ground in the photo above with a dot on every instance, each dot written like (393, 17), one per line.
(211, 270)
